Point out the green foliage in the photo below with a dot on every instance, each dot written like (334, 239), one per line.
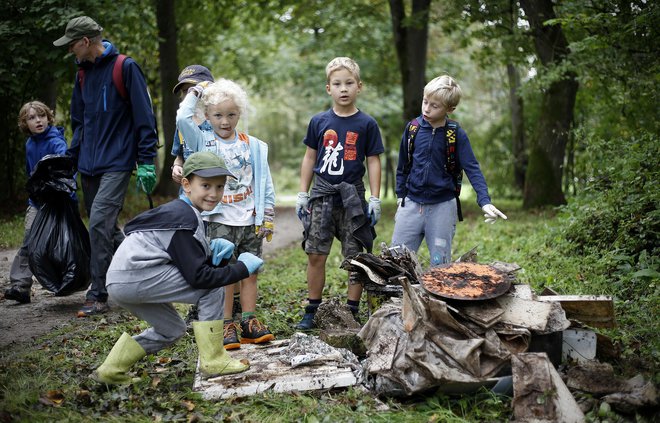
(12, 232)
(619, 208)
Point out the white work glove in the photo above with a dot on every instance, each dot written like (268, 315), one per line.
(302, 202)
(374, 210)
(491, 213)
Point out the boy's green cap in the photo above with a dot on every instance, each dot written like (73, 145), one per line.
(206, 165)
(77, 28)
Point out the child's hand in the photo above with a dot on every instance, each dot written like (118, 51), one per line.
(302, 202)
(252, 262)
(491, 213)
(198, 89)
(267, 228)
(222, 250)
(177, 173)
(374, 210)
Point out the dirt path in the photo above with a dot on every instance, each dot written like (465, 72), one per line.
(21, 323)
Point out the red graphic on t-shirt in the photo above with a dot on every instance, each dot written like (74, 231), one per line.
(330, 139)
(350, 150)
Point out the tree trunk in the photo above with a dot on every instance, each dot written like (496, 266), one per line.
(169, 71)
(410, 41)
(517, 128)
(544, 172)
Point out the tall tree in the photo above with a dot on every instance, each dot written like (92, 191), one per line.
(410, 41)
(548, 145)
(169, 69)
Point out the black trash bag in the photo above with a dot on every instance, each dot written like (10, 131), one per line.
(52, 176)
(58, 243)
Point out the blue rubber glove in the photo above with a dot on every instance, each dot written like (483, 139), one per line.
(146, 177)
(222, 250)
(252, 262)
(374, 210)
(302, 202)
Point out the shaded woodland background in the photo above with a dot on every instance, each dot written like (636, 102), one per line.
(560, 98)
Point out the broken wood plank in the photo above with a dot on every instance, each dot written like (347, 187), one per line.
(593, 310)
(484, 314)
(539, 394)
(268, 373)
(529, 314)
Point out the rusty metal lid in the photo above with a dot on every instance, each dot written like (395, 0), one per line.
(465, 281)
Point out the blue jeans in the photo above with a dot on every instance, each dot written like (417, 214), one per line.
(435, 222)
(104, 198)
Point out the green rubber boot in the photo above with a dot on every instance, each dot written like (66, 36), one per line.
(213, 359)
(123, 355)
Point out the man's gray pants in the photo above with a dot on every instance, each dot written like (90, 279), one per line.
(104, 198)
(151, 300)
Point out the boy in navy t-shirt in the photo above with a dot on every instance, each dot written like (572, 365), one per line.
(338, 141)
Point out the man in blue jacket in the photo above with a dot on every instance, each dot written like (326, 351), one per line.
(113, 132)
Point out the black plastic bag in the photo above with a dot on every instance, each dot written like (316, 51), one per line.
(58, 244)
(52, 176)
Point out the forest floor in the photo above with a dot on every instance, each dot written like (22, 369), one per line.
(21, 323)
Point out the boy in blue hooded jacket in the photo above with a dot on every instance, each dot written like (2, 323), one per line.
(36, 120)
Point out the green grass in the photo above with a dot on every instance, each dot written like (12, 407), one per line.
(62, 360)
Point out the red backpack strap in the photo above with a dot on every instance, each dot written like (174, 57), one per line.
(118, 76)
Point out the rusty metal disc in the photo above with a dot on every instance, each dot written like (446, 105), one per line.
(465, 281)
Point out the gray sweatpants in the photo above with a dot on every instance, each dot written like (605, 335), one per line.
(151, 300)
(20, 274)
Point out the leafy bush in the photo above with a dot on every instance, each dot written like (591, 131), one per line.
(614, 225)
(618, 210)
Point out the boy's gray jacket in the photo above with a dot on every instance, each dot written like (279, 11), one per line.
(171, 235)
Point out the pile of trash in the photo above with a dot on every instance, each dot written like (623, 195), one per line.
(455, 328)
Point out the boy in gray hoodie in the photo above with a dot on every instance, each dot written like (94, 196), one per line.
(166, 258)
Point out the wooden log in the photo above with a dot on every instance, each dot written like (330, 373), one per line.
(593, 310)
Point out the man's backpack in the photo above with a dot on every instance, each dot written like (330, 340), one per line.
(117, 76)
(451, 166)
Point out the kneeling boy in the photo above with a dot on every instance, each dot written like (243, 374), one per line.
(166, 258)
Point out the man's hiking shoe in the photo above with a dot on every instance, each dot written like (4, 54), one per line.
(254, 332)
(91, 308)
(307, 322)
(17, 295)
(231, 337)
